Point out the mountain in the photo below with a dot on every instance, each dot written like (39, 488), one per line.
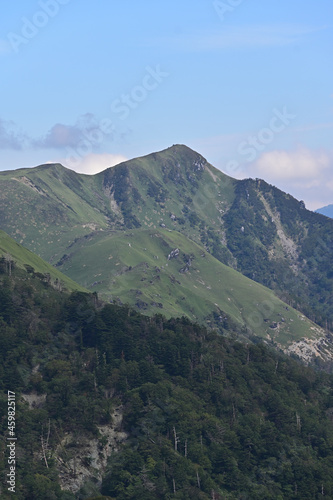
(163, 271)
(156, 231)
(328, 211)
(113, 404)
(14, 255)
(48, 207)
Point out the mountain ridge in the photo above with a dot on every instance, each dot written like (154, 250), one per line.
(248, 225)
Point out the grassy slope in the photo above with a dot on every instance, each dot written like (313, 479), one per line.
(53, 206)
(134, 267)
(23, 256)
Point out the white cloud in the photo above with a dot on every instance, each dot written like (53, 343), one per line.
(93, 163)
(305, 174)
(291, 165)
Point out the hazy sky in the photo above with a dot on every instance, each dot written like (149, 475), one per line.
(247, 83)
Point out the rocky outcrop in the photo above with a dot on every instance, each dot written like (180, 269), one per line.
(80, 459)
(310, 349)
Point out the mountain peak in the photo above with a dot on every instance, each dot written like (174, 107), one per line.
(181, 148)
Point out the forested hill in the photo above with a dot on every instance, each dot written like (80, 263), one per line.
(115, 403)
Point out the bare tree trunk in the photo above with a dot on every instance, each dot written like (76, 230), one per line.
(198, 480)
(176, 438)
(45, 444)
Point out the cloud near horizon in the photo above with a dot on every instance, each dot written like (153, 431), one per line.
(291, 165)
(10, 136)
(306, 174)
(86, 136)
(92, 163)
(87, 131)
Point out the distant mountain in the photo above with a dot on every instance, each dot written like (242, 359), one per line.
(155, 232)
(328, 211)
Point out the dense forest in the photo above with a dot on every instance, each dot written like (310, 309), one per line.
(205, 416)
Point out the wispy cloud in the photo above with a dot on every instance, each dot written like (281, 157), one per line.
(10, 136)
(59, 136)
(311, 128)
(62, 136)
(87, 130)
(239, 37)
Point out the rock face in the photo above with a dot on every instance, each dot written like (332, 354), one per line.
(34, 400)
(310, 349)
(81, 459)
(173, 254)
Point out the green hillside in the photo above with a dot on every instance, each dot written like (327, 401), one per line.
(47, 207)
(52, 206)
(79, 222)
(23, 258)
(163, 271)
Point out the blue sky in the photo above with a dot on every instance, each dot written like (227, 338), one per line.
(246, 83)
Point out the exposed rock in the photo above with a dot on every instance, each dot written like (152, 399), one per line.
(34, 400)
(288, 245)
(82, 459)
(27, 182)
(140, 304)
(157, 304)
(173, 254)
(310, 349)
